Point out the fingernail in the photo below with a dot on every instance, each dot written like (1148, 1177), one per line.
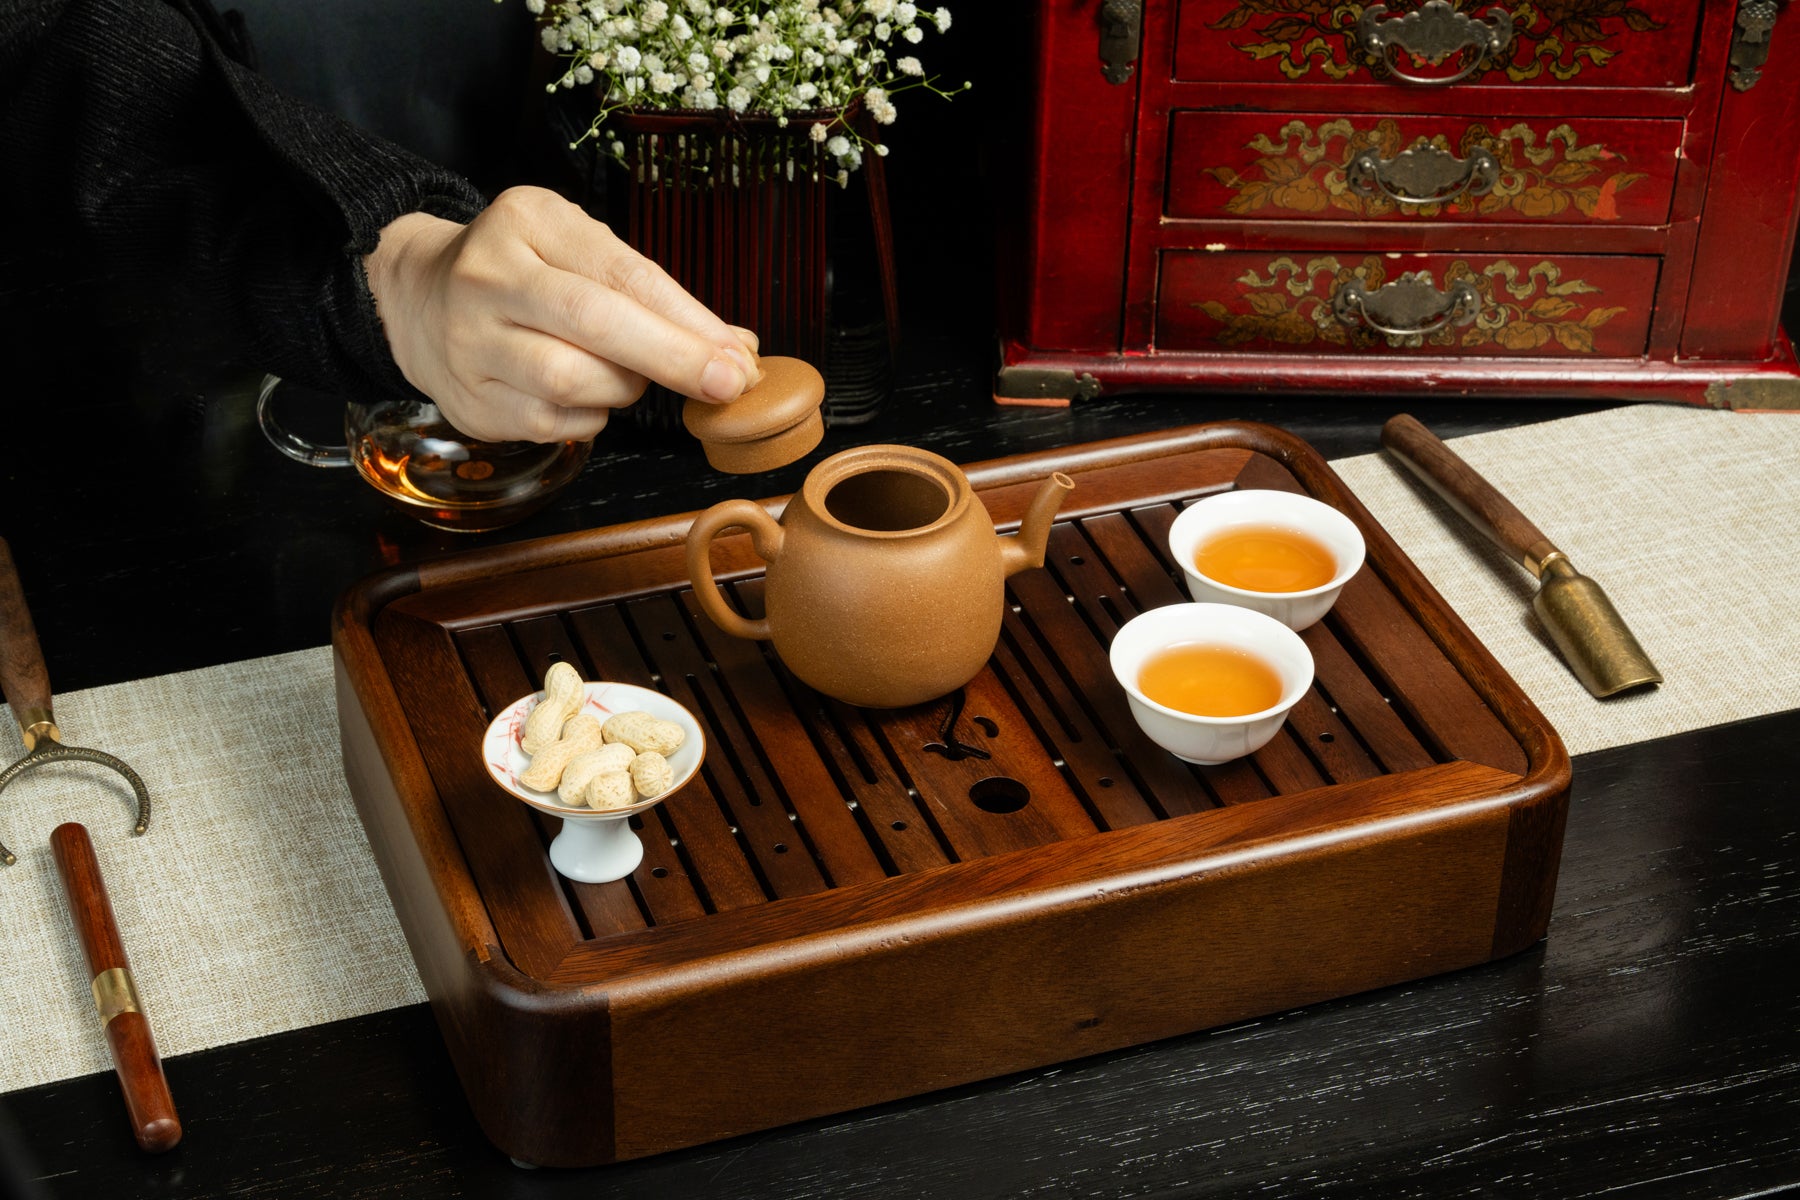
(747, 364)
(722, 379)
(748, 337)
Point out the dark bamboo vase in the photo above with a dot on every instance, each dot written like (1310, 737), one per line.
(739, 210)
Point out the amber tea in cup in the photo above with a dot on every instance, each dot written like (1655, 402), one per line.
(433, 473)
(1266, 558)
(1210, 680)
(423, 466)
(1279, 553)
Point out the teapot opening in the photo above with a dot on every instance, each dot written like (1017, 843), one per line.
(887, 501)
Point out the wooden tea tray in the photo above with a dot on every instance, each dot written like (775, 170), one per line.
(839, 913)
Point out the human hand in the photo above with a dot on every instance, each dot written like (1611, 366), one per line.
(534, 321)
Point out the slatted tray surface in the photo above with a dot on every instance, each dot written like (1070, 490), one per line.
(811, 817)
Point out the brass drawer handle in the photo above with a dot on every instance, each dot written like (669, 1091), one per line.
(1434, 33)
(1410, 306)
(1423, 174)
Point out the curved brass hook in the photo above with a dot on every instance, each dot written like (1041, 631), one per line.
(52, 751)
(26, 685)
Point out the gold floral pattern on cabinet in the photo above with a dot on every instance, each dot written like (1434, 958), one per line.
(1521, 310)
(1303, 169)
(1559, 40)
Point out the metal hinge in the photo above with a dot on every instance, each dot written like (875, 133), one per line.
(1779, 393)
(1121, 29)
(1750, 41)
(1044, 383)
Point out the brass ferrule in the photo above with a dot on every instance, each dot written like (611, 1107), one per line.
(114, 994)
(1557, 560)
(37, 723)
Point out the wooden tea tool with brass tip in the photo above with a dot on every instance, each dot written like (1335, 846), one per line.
(26, 684)
(147, 1099)
(1588, 631)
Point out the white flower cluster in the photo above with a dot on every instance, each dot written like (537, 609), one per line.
(808, 59)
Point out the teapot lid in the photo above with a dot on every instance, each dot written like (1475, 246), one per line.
(769, 426)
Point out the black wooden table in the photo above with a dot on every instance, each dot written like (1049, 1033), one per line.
(1651, 1047)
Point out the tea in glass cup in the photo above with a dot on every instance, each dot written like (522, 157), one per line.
(1281, 554)
(423, 466)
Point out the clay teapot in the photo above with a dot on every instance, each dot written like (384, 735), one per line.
(886, 580)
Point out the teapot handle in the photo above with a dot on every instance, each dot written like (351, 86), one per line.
(765, 535)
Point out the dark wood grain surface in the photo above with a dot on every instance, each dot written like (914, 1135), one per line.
(1649, 1048)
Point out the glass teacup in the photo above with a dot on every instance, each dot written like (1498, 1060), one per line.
(423, 466)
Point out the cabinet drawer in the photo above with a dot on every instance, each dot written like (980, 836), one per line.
(1592, 43)
(1578, 306)
(1321, 166)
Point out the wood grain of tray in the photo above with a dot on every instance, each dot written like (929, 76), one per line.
(848, 906)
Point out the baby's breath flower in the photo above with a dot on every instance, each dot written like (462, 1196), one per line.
(766, 57)
(879, 106)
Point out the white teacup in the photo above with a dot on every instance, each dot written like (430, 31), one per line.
(1210, 740)
(1205, 519)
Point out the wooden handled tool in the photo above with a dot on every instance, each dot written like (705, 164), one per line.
(1588, 631)
(147, 1098)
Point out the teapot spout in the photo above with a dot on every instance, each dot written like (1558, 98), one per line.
(1026, 548)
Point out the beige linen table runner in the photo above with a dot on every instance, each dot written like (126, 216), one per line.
(254, 905)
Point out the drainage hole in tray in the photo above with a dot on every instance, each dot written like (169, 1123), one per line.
(999, 794)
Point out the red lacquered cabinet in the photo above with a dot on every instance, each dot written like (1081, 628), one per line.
(1595, 197)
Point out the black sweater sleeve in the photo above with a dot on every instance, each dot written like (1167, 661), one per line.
(142, 166)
